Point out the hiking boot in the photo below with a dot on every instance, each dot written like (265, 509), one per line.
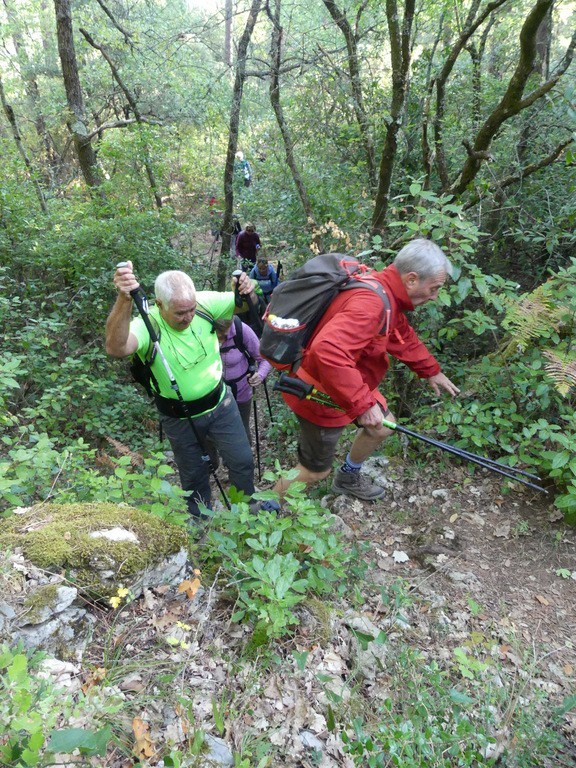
(356, 484)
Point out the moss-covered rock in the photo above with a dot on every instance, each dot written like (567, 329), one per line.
(82, 542)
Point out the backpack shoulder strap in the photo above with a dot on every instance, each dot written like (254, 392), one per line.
(205, 315)
(150, 354)
(239, 341)
(141, 366)
(365, 281)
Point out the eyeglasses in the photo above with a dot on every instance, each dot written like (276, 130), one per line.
(183, 360)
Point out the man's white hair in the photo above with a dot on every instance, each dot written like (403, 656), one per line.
(423, 257)
(174, 284)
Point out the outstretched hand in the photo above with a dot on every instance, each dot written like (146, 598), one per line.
(440, 381)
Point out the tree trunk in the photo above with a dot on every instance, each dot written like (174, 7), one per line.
(356, 86)
(9, 112)
(77, 122)
(225, 260)
(400, 53)
(275, 61)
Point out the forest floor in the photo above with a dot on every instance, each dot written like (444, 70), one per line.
(469, 567)
(450, 561)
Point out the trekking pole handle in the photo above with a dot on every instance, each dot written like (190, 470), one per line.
(141, 302)
(252, 302)
(237, 297)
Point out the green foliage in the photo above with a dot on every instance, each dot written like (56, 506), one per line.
(275, 562)
(31, 708)
(34, 469)
(436, 720)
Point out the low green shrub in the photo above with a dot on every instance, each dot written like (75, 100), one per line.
(32, 708)
(273, 562)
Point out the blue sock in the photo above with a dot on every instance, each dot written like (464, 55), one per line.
(270, 506)
(350, 466)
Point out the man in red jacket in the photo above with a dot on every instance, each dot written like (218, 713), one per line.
(347, 358)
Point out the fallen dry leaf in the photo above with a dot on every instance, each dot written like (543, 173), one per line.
(95, 677)
(541, 599)
(143, 747)
(502, 531)
(190, 587)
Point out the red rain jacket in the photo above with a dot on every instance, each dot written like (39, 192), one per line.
(347, 357)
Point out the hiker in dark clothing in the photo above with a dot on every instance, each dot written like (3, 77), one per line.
(247, 246)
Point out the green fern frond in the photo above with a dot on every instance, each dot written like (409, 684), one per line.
(533, 316)
(562, 369)
(537, 315)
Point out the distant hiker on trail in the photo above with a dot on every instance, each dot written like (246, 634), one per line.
(347, 358)
(247, 246)
(243, 169)
(185, 321)
(266, 275)
(244, 366)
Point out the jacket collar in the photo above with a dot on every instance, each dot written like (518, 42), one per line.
(391, 277)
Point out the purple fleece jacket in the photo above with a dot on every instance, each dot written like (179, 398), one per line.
(235, 364)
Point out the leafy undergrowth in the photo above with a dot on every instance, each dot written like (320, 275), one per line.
(433, 628)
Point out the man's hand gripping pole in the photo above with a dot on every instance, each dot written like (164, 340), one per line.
(304, 391)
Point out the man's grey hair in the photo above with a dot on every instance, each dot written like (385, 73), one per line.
(174, 284)
(424, 258)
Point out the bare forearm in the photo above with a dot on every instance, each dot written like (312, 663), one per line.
(119, 341)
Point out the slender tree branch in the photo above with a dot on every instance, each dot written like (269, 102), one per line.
(11, 117)
(121, 124)
(522, 173)
(512, 102)
(274, 91)
(127, 35)
(137, 115)
(350, 38)
(442, 79)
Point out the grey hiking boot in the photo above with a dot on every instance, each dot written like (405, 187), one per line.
(356, 484)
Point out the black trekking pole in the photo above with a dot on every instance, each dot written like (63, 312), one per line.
(304, 391)
(142, 304)
(257, 437)
(268, 403)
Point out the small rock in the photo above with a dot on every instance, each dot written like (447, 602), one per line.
(311, 741)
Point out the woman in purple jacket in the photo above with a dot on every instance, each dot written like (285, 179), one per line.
(243, 366)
